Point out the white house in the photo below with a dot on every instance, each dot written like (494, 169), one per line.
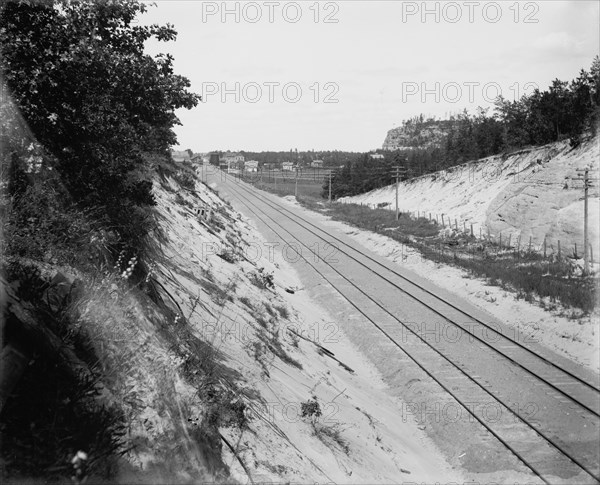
(251, 166)
(180, 156)
(317, 164)
(232, 157)
(287, 166)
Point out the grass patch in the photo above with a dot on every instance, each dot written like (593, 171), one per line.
(527, 273)
(54, 410)
(246, 301)
(286, 186)
(283, 311)
(263, 280)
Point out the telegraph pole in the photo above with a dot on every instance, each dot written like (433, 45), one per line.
(399, 171)
(296, 188)
(397, 185)
(586, 186)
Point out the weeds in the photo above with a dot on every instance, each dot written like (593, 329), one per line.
(327, 434)
(53, 413)
(246, 301)
(227, 256)
(528, 274)
(184, 179)
(311, 409)
(283, 311)
(179, 199)
(263, 280)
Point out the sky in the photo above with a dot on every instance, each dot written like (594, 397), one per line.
(337, 75)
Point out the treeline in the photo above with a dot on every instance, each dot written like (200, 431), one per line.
(331, 159)
(566, 110)
(87, 118)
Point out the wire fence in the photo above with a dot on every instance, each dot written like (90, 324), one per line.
(509, 242)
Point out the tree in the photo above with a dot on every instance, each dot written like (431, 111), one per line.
(94, 100)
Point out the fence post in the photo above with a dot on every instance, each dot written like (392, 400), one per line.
(480, 233)
(509, 238)
(500, 241)
(529, 245)
(455, 224)
(430, 216)
(471, 229)
(443, 223)
(559, 249)
(544, 247)
(576, 251)
(591, 255)
(464, 226)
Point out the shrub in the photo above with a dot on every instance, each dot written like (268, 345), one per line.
(262, 279)
(311, 409)
(185, 179)
(283, 311)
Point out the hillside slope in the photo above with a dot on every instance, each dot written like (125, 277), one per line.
(531, 192)
(219, 367)
(218, 272)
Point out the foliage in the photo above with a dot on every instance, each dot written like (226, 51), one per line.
(330, 158)
(311, 409)
(525, 272)
(564, 110)
(185, 179)
(54, 412)
(262, 279)
(97, 104)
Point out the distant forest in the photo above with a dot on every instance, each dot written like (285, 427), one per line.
(566, 110)
(331, 159)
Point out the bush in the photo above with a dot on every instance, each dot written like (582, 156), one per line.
(263, 280)
(311, 409)
(186, 180)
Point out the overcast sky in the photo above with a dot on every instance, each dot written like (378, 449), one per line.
(276, 75)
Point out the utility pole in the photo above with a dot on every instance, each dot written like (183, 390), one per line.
(586, 186)
(296, 188)
(399, 171)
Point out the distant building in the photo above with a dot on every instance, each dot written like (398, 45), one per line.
(287, 166)
(234, 165)
(180, 156)
(251, 166)
(232, 157)
(376, 156)
(269, 166)
(214, 159)
(317, 164)
(197, 158)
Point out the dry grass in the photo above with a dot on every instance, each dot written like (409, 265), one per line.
(528, 274)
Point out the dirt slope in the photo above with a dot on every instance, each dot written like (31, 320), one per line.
(531, 192)
(235, 294)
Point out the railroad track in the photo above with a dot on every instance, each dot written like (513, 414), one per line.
(538, 442)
